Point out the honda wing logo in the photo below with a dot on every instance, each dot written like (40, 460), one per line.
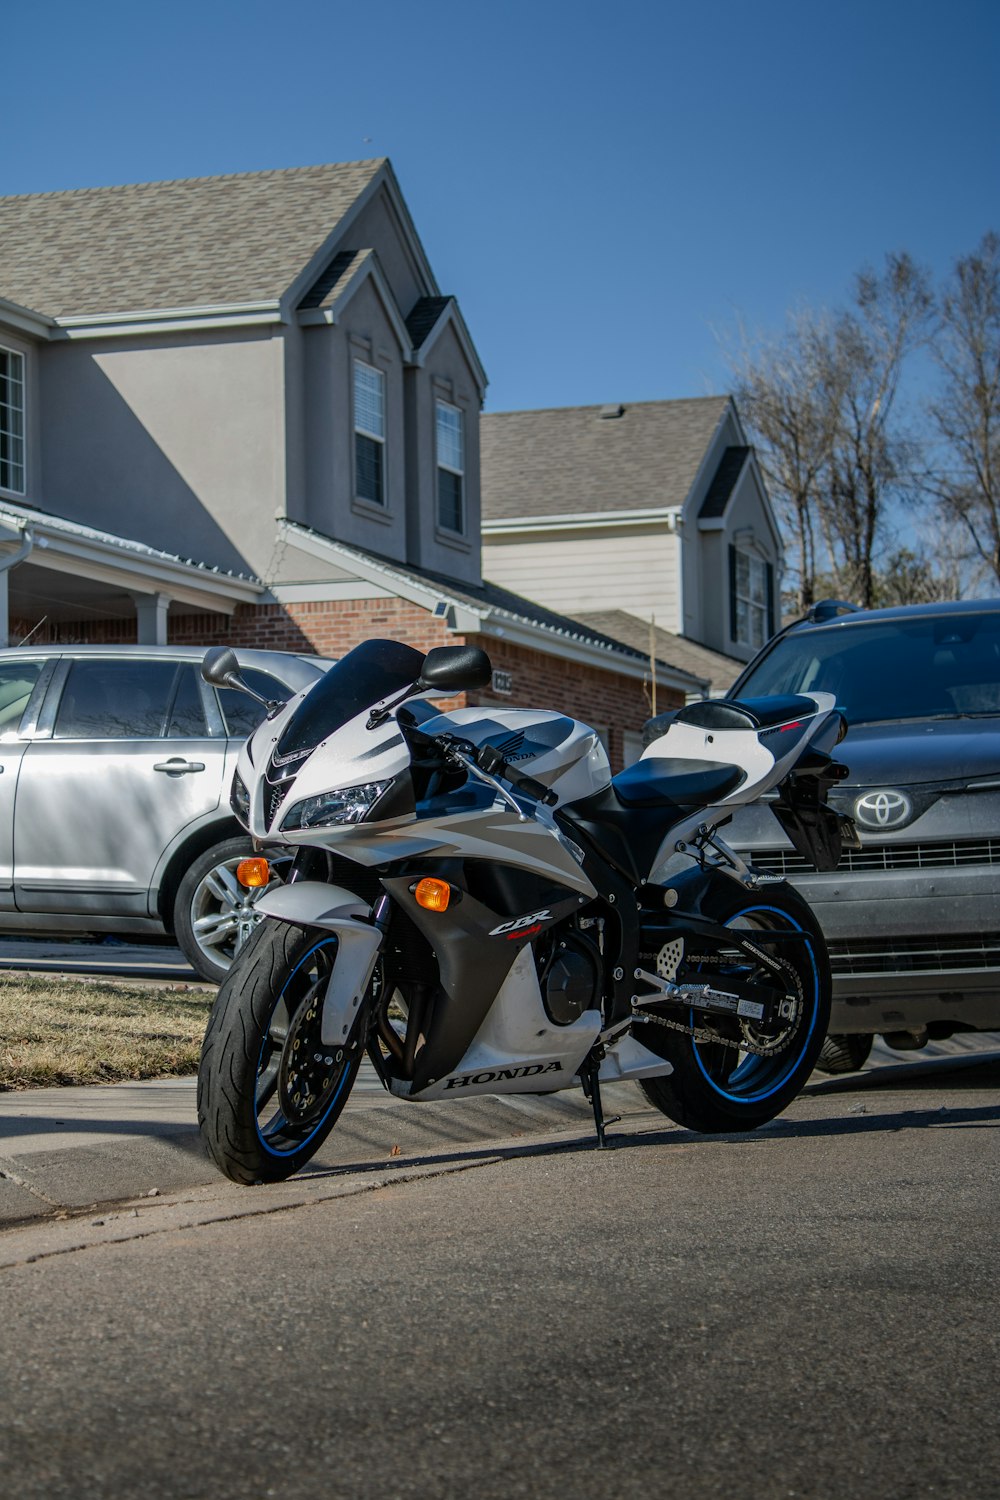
(882, 810)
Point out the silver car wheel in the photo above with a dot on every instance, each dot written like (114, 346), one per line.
(214, 916)
(223, 912)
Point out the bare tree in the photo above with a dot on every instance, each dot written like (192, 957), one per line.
(966, 412)
(870, 460)
(780, 391)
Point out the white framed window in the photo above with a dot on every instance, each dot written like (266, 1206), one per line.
(450, 468)
(369, 433)
(11, 421)
(751, 598)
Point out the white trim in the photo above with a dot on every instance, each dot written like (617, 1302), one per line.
(325, 593)
(702, 478)
(25, 320)
(168, 320)
(585, 520)
(64, 547)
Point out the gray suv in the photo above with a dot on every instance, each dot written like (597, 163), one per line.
(912, 919)
(115, 769)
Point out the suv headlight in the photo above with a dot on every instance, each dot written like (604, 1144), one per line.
(239, 800)
(348, 804)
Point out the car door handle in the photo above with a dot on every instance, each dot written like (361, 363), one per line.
(178, 767)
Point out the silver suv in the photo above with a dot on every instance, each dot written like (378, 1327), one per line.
(912, 918)
(116, 764)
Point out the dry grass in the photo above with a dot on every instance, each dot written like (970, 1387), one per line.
(56, 1032)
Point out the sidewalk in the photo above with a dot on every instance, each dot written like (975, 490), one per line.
(70, 1149)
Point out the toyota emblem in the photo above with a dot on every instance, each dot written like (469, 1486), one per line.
(883, 809)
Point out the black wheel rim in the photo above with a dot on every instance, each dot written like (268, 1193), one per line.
(299, 1080)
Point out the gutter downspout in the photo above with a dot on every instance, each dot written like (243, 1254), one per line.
(6, 563)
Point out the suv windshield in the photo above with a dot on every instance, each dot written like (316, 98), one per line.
(932, 666)
(371, 672)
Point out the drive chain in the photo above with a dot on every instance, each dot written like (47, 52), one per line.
(699, 1034)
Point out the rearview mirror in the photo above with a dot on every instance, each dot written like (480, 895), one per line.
(221, 669)
(452, 668)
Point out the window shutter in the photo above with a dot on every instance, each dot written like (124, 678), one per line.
(733, 635)
(770, 601)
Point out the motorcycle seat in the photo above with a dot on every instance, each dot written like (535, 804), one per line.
(745, 713)
(664, 781)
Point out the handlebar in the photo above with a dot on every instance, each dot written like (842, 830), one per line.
(491, 761)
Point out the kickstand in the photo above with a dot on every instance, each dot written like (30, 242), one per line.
(590, 1079)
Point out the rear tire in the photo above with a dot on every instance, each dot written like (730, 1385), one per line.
(714, 1088)
(269, 1090)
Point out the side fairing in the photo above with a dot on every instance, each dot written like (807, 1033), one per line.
(564, 754)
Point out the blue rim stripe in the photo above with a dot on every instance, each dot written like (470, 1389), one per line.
(339, 1089)
(765, 1093)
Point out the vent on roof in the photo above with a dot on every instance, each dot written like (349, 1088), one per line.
(607, 412)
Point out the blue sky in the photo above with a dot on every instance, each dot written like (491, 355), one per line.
(607, 187)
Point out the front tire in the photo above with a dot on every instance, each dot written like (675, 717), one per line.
(269, 1089)
(716, 1088)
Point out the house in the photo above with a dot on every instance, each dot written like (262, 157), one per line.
(241, 409)
(626, 515)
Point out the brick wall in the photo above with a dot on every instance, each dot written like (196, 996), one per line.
(598, 695)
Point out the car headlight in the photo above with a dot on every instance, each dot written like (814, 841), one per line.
(349, 804)
(239, 800)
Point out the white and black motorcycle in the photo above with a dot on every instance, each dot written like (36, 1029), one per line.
(476, 903)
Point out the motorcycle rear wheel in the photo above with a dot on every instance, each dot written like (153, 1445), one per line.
(714, 1088)
(269, 1089)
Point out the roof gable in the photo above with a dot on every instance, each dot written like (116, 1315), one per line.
(585, 459)
(196, 242)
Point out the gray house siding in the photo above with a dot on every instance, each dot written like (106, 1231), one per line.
(177, 440)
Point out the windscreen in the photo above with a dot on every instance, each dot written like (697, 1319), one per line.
(371, 672)
(924, 667)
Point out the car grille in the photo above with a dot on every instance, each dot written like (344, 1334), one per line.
(886, 857)
(915, 954)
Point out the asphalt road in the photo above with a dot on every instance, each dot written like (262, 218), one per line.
(811, 1311)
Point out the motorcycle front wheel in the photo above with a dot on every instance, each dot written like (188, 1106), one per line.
(269, 1089)
(724, 1086)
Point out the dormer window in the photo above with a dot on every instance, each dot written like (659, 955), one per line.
(369, 433)
(11, 421)
(450, 468)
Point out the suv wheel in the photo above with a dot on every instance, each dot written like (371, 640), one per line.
(844, 1054)
(213, 914)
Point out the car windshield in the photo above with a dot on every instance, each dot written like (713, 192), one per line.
(371, 672)
(929, 666)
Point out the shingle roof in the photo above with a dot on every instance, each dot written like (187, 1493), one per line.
(574, 459)
(723, 483)
(423, 315)
(203, 241)
(326, 288)
(677, 651)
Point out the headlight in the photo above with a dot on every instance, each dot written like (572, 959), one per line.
(239, 801)
(347, 805)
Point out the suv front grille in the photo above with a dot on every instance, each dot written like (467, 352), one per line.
(886, 857)
(915, 954)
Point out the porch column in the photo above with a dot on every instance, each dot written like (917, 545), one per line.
(151, 618)
(4, 610)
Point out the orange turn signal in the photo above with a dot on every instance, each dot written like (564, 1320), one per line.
(433, 895)
(253, 872)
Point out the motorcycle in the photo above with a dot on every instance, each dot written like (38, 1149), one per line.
(470, 899)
